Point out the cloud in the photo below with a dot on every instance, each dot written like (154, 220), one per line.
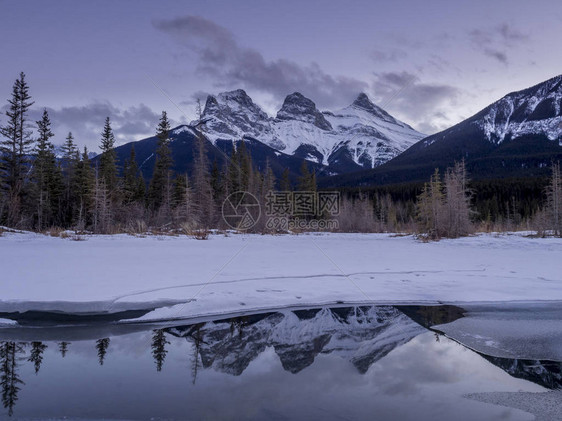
(497, 41)
(424, 105)
(388, 56)
(86, 122)
(231, 65)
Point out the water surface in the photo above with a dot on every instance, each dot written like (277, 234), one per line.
(364, 362)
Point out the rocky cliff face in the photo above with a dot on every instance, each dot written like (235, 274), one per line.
(361, 135)
(361, 335)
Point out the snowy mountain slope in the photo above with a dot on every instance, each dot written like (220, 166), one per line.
(361, 335)
(517, 136)
(531, 111)
(361, 135)
(183, 146)
(375, 137)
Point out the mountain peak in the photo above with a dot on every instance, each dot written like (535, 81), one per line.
(298, 107)
(363, 101)
(238, 95)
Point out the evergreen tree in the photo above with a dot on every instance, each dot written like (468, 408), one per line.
(161, 183)
(45, 175)
(108, 165)
(307, 179)
(554, 200)
(231, 179)
(36, 354)
(285, 183)
(63, 348)
(9, 377)
(69, 151)
(15, 149)
(133, 183)
(268, 180)
(245, 165)
(101, 347)
(197, 341)
(70, 162)
(216, 181)
(159, 348)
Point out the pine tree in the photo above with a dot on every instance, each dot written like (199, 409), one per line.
(101, 347)
(45, 175)
(231, 178)
(268, 180)
(36, 354)
(159, 351)
(69, 151)
(307, 179)
(15, 149)
(108, 165)
(216, 181)
(133, 183)
(10, 380)
(69, 163)
(63, 348)
(554, 200)
(246, 170)
(161, 182)
(285, 183)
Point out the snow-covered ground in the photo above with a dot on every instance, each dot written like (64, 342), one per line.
(186, 277)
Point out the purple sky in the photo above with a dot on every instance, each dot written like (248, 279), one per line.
(430, 63)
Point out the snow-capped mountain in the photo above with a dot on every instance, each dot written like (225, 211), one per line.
(361, 335)
(532, 111)
(361, 135)
(517, 136)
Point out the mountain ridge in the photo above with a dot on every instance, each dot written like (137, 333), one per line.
(516, 136)
(361, 135)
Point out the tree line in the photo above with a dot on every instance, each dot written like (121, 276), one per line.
(40, 191)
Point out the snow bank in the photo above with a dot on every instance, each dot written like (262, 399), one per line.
(188, 278)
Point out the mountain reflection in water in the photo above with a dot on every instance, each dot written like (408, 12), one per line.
(360, 335)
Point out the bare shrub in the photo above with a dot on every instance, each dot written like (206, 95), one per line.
(137, 227)
(55, 231)
(356, 215)
(201, 234)
(443, 209)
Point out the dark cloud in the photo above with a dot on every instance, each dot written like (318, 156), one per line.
(231, 65)
(511, 35)
(86, 122)
(422, 104)
(495, 42)
(496, 54)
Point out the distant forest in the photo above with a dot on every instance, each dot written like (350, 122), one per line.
(42, 192)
